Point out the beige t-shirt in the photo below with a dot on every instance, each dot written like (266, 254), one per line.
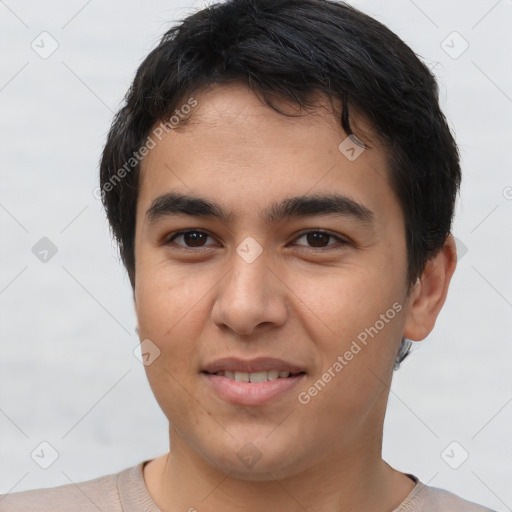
(126, 492)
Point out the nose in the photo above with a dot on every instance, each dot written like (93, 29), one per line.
(251, 297)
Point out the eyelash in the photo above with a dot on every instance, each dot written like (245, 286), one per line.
(341, 241)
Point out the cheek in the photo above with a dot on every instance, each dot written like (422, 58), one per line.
(347, 301)
(170, 314)
(364, 314)
(165, 297)
(168, 317)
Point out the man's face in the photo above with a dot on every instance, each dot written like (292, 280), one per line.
(264, 283)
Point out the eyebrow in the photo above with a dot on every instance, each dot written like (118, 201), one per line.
(173, 204)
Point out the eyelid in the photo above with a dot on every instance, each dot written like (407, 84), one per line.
(340, 240)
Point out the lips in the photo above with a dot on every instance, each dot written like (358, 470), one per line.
(256, 366)
(253, 382)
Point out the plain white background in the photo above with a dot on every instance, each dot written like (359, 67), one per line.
(68, 375)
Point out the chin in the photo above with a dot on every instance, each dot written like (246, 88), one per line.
(258, 460)
(260, 472)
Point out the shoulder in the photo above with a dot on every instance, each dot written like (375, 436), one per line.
(433, 499)
(92, 495)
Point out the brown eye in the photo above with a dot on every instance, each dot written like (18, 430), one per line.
(320, 239)
(192, 238)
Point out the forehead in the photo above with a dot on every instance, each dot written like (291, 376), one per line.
(235, 148)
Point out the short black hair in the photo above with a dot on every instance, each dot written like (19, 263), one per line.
(295, 49)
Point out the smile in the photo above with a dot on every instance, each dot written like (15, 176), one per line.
(261, 376)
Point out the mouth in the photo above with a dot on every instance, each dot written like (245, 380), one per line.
(252, 382)
(261, 376)
(242, 369)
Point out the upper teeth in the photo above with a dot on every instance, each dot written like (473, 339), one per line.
(254, 376)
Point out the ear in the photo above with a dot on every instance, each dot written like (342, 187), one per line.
(429, 293)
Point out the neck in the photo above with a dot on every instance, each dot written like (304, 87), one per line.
(183, 480)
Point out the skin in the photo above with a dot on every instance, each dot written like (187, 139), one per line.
(292, 303)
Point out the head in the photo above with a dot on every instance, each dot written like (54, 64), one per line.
(240, 117)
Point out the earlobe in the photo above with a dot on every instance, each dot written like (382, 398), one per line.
(429, 293)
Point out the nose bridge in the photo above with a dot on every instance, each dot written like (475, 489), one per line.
(250, 294)
(247, 280)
